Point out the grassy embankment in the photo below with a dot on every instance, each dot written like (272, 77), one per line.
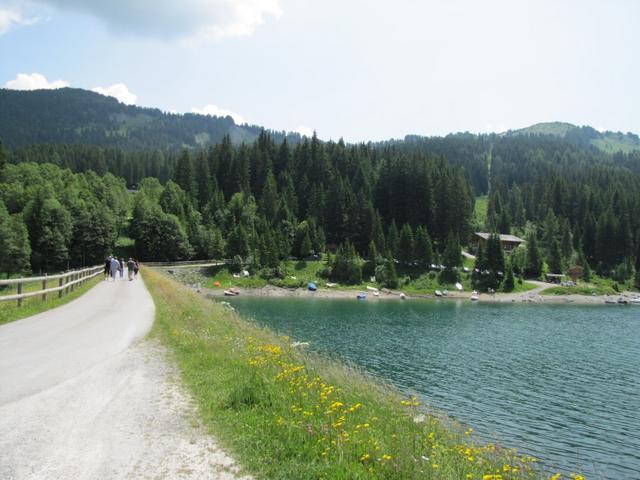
(285, 414)
(300, 273)
(597, 285)
(9, 311)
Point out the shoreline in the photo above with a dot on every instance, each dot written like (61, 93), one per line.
(531, 296)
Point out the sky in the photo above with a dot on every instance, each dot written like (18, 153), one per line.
(353, 69)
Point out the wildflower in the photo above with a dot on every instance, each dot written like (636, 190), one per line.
(365, 457)
(468, 431)
(386, 457)
(419, 419)
(435, 466)
(575, 476)
(555, 476)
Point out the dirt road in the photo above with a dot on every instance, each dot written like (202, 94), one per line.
(83, 396)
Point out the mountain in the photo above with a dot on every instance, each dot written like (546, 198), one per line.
(610, 142)
(72, 115)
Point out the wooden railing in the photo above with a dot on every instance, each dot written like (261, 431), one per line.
(67, 282)
(186, 263)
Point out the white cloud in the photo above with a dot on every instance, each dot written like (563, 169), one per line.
(34, 81)
(215, 111)
(119, 91)
(304, 131)
(177, 19)
(10, 16)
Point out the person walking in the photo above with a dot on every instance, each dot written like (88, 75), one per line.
(136, 268)
(115, 266)
(131, 266)
(121, 268)
(107, 267)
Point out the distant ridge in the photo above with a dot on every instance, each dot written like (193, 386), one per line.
(584, 136)
(73, 115)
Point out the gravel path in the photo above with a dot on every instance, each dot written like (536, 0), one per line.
(82, 396)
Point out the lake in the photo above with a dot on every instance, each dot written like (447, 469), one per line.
(559, 382)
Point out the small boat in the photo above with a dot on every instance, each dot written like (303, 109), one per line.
(634, 301)
(459, 287)
(610, 301)
(438, 293)
(229, 293)
(474, 296)
(372, 289)
(622, 301)
(312, 287)
(376, 293)
(362, 296)
(403, 296)
(445, 293)
(330, 285)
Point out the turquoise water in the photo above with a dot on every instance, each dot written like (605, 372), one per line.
(561, 383)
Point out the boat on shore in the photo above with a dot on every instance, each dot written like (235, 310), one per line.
(474, 296)
(362, 296)
(232, 292)
(438, 293)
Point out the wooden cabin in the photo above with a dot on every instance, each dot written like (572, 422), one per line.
(509, 242)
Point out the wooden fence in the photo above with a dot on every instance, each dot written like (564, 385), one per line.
(187, 263)
(67, 282)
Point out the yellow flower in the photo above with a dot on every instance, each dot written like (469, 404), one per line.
(364, 457)
(555, 476)
(386, 457)
(435, 466)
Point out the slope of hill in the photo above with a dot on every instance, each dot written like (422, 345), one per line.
(610, 142)
(72, 115)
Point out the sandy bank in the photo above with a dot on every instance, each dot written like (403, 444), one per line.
(531, 296)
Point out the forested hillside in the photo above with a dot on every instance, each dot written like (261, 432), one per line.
(585, 136)
(406, 204)
(76, 116)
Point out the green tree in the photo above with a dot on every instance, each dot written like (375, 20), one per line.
(185, 175)
(406, 245)
(386, 275)
(392, 240)
(555, 258)
(423, 248)
(346, 266)
(534, 260)
(509, 283)
(14, 243)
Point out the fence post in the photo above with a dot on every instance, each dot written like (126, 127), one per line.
(44, 287)
(20, 293)
(61, 285)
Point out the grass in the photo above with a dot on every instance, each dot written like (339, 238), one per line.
(9, 311)
(480, 209)
(286, 414)
(412, 280)
(581, 289)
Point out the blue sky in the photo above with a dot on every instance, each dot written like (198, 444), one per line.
(362, 70)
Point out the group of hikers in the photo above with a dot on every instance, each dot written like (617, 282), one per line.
(113, 266)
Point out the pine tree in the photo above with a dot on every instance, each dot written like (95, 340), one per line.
(392, 240)
(377, 233)
(406, 245)
(534, 260)
(555, 258)
(269, 198)
(185, 175)
(509, 283)
(3, 160)
(423, 248)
